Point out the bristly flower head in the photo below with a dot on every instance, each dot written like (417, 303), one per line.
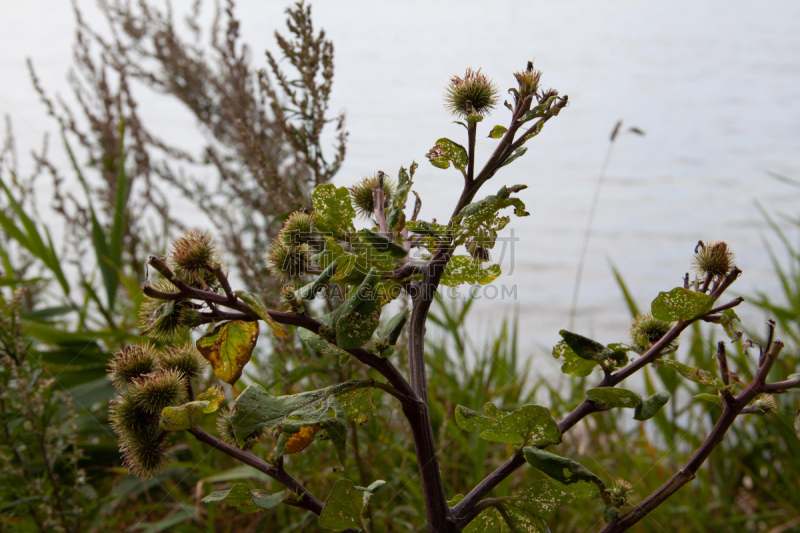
(528, 81)
(362, 193)
(184, 359)
(160, 319)
(225, 429)
(126, 416)
(287, 263)
(474, 93)
(646, 330)
(153, 392)
(713, 259)
(298, 229)
(132, 362)
(620, 490)
(145, 454)
(190, 257)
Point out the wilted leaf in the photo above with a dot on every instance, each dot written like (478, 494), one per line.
(608, 397)
(255, 303)
(531, 424)
(573, 364)
(346, 504)
(498, 131)
(464, 269)
(228, 348)
(246, 500)
(681, 304)
(333, 210)
(561, 469)
(650, 407)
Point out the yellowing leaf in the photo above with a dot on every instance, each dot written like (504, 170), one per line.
(302, 439)
(228, 348)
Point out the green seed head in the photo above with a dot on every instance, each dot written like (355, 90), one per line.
(620, 490)
(528, 81)
(190, 257)
(189, 317)
(362, 193)
(183, 359)
(287, 263)
(153, 392)
(474, 93)
(127, 416)
(131, 362)
(646, 330)
(298, 229)
(713, 259)
(145, 454)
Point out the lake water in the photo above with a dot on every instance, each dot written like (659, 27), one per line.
(713, 84)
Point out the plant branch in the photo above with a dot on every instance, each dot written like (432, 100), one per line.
(308, 501)
(584, 409)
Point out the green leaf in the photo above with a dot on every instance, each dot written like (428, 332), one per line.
(531, 424)
(573, 365)
(357, 318)
(321, 345)
(346, 504)
(698, 375)
(561, 469)
(389, 333)
(357, 404)
(398, 202)
(608, 397)
(650, 407)
(183, 417)
(519, 152)
(246, 500)
(498, 131)
(383, 244)
(188, 415)
(681, 304)
(228, 348)
(474, 118)
(716, 399)
(333, 210)
(308, 292)
(465, 269)
(528, 510)
(214, 396)
(728, 319)
(257, 306)
(480, 220)
(584, 347)
(452, 152)
(255, 409)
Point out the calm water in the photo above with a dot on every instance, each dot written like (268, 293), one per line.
(714, 85)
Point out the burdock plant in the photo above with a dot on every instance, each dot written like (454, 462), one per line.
(371, 266)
